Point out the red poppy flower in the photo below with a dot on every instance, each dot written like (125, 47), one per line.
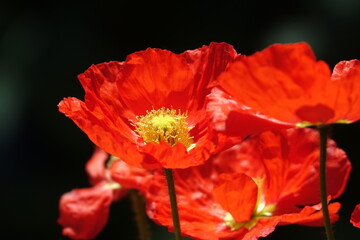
(84, 212)
(286, 82)
(355, 216)
(243, 193)
(150, 109)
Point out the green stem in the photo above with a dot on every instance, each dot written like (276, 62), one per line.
(173, 203)
(138, 205)
(323, 132)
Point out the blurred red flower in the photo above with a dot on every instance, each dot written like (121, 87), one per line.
(355, 216)
(286, 82)
(243, 193)
(150, 109)
(84, 212)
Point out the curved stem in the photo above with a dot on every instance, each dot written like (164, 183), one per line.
(323, 132)
(138, 205)
(173, 203)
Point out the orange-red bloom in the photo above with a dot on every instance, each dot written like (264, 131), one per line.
(244, 192)
(286, 82)
(84, 212)
(150, 109)
(355, 216)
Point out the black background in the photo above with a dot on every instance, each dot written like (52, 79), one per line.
(44, 45)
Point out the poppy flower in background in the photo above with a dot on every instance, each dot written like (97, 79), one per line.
(130, 177)
(286, 82)
(355, 216)
(150, 109)
(96, 166)
(84, 212)
(244, 192)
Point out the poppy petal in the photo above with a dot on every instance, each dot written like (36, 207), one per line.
(286, 82)
(237, 194)
(128, 176)
(234, 119)
(263, 228)
(84, 212)
(346, 75)
(95, 166)
(102, 132)
(355, 216)
(312, 215)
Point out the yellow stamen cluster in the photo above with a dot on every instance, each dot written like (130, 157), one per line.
(164, 125)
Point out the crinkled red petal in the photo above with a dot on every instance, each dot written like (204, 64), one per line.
(290, 161)
(355, 216)
(84, 212)
(104, 134)
(285, 82)
(130, 177)
(237, 194)
(197, 209)
(262, 228)
(346, 75)
(95, 166)
(311, 215)
(300, 150)
(235, 119)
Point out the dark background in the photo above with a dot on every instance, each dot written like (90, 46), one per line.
(44, 45)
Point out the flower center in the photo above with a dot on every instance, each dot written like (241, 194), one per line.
(164, 125)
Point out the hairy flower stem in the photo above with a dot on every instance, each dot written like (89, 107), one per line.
(138, 206)
(323, 132)
(173, 203)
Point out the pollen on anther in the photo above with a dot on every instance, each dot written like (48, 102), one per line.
(164, 124)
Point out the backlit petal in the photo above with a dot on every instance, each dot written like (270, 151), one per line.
(237, 194)
(95, 167)
(286, 82)
(102, 131)
(84, 212)
(355, 216)
(235, 119)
